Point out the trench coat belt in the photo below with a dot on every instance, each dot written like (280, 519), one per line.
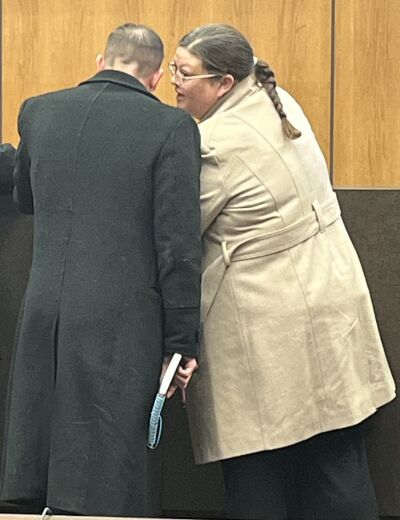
(322, 215)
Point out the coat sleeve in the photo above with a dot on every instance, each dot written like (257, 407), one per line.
(177, 236)
(22, 181)
(213, 195)
(7, 161)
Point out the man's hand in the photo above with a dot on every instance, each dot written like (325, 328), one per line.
(182, 376)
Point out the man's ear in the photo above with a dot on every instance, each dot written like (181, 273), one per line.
(226, 84)
(155, 78)
(100, 63)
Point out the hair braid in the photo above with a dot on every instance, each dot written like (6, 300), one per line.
(266, 79)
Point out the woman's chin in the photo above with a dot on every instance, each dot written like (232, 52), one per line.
(182, 102)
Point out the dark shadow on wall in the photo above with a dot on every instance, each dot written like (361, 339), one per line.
(372, 218)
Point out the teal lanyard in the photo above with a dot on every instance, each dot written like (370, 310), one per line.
(155, 423)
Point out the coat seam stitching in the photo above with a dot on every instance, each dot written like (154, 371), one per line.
(244, 343)
(73, 192)
(311, 316)
(274, 149)
(265, 187)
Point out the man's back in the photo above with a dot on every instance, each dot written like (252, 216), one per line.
(111, 176)
(95, 152)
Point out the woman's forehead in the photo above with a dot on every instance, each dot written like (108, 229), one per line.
(185, 57)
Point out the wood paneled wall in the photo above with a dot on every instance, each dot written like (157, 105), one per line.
(51, 44)
(367, 94)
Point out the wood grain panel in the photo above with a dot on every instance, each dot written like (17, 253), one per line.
(51, 44)
(294, 37)
(367, 101)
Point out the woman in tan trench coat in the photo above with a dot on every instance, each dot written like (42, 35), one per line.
(290, 359)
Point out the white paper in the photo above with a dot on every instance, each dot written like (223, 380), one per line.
(169, 373)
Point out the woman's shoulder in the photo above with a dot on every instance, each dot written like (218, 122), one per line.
(222, 132)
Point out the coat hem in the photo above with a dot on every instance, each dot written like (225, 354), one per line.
(382, 397)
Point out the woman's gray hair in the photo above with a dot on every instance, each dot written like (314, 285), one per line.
(224, 50)
(221, 48)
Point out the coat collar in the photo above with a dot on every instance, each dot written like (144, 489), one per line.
(246, 87)
(119, 78)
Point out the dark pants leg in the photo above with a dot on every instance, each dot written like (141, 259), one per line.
(333, 477)
(323, 478)
(259, 486)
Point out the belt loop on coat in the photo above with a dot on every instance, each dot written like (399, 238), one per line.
(320, 217)
(225, 254)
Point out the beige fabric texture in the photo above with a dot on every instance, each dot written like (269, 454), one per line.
(290, 347)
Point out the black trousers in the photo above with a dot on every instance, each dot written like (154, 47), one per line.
(323, 478)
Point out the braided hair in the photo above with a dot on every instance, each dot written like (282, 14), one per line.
(223, 49)
(266, 78)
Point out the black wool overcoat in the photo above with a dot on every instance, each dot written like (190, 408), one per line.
(112, 177)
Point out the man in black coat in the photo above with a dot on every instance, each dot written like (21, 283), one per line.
(7, 159)
(112, 178)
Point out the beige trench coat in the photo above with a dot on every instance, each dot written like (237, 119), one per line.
(290, 347)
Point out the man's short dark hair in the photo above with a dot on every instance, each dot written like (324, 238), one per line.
(133, 43)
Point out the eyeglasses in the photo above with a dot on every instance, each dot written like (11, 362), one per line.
(182, 77)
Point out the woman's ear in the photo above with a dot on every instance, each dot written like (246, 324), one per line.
(226, 84)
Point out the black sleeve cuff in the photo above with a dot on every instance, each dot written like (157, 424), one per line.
(181, 331)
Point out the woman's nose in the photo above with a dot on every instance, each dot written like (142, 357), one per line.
(175, 80)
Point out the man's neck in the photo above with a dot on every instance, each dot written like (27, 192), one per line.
(131, 70)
